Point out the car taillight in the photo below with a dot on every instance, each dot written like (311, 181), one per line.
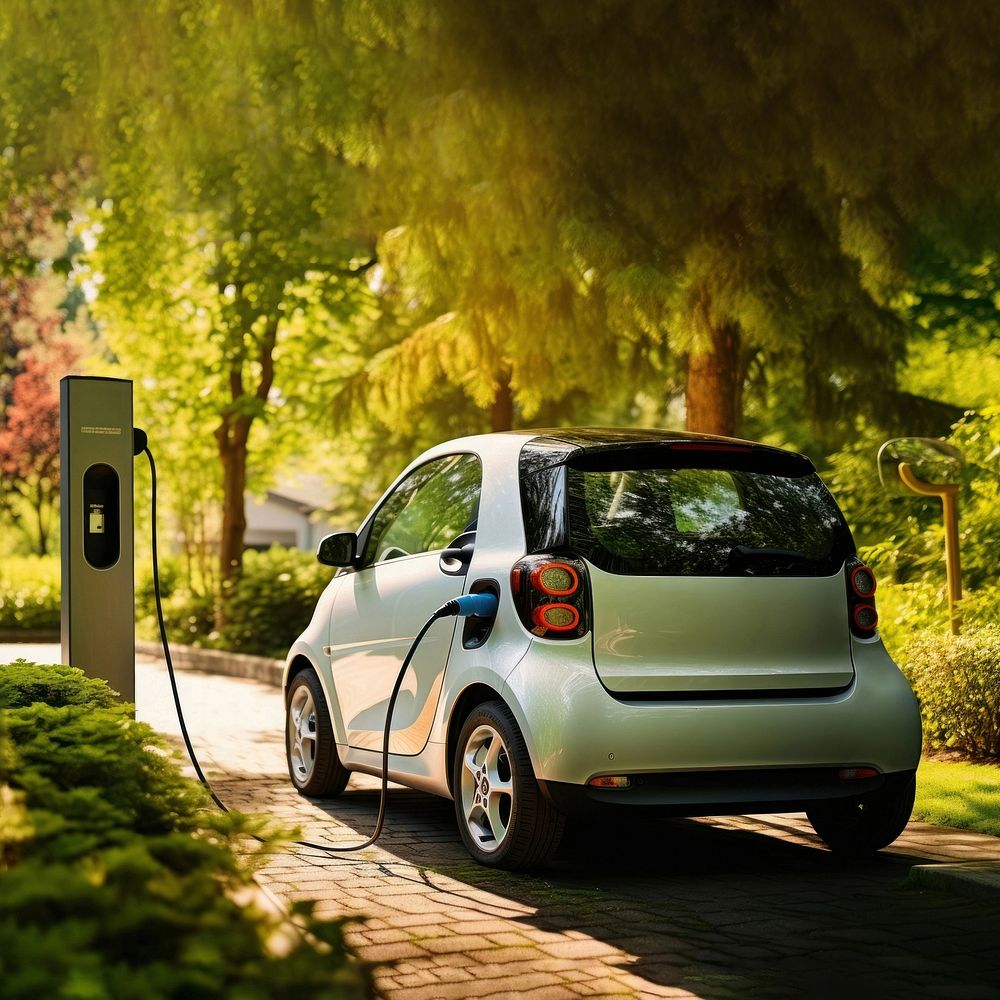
(551, 595)
(861, 586)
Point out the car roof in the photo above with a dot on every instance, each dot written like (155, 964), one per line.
(558, 443)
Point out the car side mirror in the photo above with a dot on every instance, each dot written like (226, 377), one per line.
(340, 549)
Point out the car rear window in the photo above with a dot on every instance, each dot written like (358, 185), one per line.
(652, 517)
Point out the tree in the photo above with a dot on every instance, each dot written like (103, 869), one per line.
(39, 343)
(228, 220)
(29, 436)
(739, 183)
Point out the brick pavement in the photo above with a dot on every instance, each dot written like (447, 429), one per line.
(723, 908)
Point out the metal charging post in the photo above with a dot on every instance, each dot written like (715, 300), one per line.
(98, 588)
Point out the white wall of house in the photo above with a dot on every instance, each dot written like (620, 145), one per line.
(275, 520)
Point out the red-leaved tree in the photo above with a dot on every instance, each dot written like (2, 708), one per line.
(29, 438)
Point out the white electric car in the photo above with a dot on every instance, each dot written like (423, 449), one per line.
(683, 626)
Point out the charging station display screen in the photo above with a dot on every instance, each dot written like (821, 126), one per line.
(101, 537)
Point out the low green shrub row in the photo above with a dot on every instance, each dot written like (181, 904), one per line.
(263, 611)
(29, 592)
(957, 681)
(117, 879)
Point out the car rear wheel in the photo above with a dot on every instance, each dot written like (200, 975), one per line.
(504, 819)
(310, 748)
(859, 827)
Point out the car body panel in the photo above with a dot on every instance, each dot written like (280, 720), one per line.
(707, 634)
(377, 613)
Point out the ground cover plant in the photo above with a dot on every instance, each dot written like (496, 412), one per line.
(958, 793)
(116, 877)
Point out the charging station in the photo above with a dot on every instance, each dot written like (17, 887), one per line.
(96, 496)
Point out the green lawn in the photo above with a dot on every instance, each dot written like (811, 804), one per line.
(959, 794)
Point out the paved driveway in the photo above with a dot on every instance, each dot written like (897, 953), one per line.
(742, 907)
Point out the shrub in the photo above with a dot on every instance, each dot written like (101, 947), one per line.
(909, 608)
(29, 592)
(23, 684)
(120, 882)
(272, 601)
(957, 681)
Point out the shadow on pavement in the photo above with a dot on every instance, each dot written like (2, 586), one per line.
(720, 912)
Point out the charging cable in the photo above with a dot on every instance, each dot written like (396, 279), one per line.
(480, 605)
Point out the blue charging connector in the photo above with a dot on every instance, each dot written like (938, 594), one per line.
(482, 605)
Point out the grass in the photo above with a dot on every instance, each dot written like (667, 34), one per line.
(954, 793)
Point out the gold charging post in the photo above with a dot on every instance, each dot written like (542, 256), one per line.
(948, 494)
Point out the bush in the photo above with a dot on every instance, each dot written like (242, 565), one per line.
(119, 881)
(906, 609)
(272, 601)
(957, 681)
(23, 684)
(29, 592)
(263, 611)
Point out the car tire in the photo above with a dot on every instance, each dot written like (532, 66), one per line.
(505, 820)
(310, 749)
(857, 828)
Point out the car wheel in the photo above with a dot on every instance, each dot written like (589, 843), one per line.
(859, 827)
(313, 763)
(504, 819)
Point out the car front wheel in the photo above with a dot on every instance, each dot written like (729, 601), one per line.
(310, 748)
(504, 819)
(859, 827)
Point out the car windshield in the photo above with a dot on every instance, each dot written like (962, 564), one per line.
(703, 521)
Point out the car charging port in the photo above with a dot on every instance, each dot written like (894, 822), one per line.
(477, 628)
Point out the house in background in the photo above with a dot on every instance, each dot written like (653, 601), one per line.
(296, 516)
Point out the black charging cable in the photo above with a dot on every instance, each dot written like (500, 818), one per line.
(480, 605)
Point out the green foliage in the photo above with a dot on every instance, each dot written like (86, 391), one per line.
(901, 535)
(272, 601)
(120, 882)
(263, 611)
(23, 684)
(957, 681)
(29, 592)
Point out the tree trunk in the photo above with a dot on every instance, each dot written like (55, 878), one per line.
(232, 438)
(714, 385)
(43, 531)
(502, 410)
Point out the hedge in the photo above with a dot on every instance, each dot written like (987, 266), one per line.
(118, 879)
(957, 681)
(263, 611)
(29, 592)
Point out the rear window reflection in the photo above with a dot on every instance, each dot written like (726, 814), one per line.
(705, 522)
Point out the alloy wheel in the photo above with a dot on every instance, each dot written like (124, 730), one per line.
(487, 787)
(302, 734)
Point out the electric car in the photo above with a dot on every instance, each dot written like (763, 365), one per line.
(683, 626)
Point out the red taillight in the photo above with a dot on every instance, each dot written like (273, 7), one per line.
(557, 617)
(865, 617)
(558, 579)
(861, 587)
(863, 581)
(552, 596)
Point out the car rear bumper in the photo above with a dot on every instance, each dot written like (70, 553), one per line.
(575, 729)
(718, 793)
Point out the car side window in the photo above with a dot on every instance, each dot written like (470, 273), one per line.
(428, 510)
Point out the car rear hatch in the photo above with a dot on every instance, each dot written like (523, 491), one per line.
(716, 570)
